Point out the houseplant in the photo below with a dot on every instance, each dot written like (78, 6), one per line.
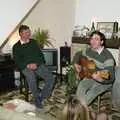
(42, 38)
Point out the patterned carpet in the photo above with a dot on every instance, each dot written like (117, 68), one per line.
(14, 94)
(54, 105)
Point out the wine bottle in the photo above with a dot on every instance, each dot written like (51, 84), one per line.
(92, 27)
(115, 30)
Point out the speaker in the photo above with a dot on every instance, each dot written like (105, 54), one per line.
(6, 81)
(65, 56)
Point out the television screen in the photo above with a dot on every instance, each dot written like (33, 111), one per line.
(51, 58)
(48, 58)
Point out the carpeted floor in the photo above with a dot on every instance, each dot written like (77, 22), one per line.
(54, 105)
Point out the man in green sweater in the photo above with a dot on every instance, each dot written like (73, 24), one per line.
(30, 60)
(88, 89)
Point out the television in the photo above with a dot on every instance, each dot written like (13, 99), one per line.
(51, 58)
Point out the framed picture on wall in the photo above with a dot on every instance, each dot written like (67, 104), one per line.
(106, 27)
(109, 29)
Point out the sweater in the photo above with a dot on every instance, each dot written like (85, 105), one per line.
(103, 61)
(24, 54)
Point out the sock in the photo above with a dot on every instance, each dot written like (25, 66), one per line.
(41, 98)
(40, 102)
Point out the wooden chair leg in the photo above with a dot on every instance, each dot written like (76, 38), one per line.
(98, 104)
(26, 90)
(21, 84)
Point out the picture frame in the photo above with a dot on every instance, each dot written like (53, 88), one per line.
(107, 28)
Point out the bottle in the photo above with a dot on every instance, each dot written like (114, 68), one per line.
(92, 27)
(115, 30)
(115, 27)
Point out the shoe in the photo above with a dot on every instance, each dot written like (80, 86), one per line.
(38, 102)
(40, 106)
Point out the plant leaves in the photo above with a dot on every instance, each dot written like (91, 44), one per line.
(42, 37)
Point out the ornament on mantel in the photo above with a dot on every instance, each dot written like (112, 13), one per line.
(92, 27)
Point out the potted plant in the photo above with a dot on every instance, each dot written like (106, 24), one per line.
(42, 38)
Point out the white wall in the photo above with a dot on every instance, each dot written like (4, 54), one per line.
(96, 10)
(88, 11)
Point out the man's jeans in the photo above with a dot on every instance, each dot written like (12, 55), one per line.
(31, 77)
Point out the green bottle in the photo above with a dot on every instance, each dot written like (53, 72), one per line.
(92, 27)
(115, 27)
(115, 30)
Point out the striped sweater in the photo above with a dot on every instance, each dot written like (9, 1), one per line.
(104, 61)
